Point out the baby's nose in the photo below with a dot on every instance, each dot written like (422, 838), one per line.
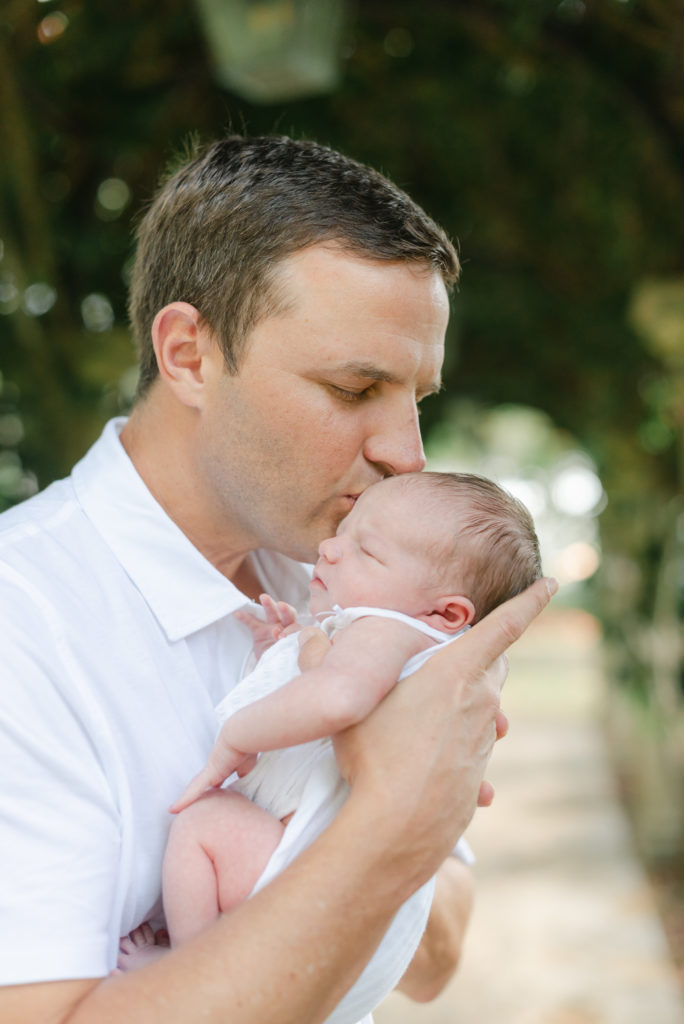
(327, 549)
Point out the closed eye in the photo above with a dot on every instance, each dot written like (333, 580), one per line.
(348, 395)
(370, 554)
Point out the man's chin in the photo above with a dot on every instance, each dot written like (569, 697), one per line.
(298, 552)
(305, 548)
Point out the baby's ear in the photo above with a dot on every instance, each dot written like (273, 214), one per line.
(450, 613)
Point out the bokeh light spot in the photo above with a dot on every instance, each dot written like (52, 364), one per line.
(398, 42)
(576, 490)
(576, 562)
(97, 312)
(39, 298)
(11, 430)
(52, 27)
(113, 195)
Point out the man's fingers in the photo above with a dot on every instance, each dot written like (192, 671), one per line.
(502, 627)
(501, 725)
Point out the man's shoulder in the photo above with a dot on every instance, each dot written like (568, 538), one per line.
(59, 512)
(38, 516)
(45, 548)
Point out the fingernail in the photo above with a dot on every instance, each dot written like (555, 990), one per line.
(551, 585)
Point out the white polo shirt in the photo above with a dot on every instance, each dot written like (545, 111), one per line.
(116, 642)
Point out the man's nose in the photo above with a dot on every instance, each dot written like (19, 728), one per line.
(396, 445)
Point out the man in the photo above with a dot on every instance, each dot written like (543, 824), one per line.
(290, 308)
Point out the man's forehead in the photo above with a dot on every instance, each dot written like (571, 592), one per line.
(330, 266)
(371, 321)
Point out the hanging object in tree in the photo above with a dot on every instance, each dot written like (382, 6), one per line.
(273, 50)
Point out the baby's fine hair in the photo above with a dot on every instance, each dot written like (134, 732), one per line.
(493, 549)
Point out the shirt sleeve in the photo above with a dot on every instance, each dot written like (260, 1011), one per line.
(59, 826)
(463, 851)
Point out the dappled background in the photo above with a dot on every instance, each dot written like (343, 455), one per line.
(547, 137)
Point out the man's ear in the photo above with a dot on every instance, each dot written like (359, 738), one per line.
(183, 346)
(450, 613)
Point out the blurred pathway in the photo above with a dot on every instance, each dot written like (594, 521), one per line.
(565, 929)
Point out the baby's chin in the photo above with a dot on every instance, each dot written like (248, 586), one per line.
(322, 601)
(319, 607)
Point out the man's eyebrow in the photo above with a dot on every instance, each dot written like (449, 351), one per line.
(433, 389)
(358, 368)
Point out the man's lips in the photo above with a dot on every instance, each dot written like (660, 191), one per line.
(351, 499)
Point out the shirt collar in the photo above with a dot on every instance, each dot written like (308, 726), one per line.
(184, 591)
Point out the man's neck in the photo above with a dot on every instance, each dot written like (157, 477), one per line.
(160, 447)
(247, 581)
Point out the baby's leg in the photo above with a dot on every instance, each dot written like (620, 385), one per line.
(217, 849)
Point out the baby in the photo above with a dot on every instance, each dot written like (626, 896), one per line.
(419, 559)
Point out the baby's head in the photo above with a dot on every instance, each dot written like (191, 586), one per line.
(443, 547)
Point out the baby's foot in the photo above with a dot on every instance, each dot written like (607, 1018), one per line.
(141, 947)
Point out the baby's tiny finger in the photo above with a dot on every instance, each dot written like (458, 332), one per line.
(269, 606)
(285, 613)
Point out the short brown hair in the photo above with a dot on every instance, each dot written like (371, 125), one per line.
(217, 228)
(492, 550)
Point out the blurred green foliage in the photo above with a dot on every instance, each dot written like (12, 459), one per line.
(546, 136)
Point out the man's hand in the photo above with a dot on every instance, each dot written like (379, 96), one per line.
(313, 647)
(425, 748)
(485, 796)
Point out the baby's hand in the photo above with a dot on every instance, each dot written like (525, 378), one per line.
(281, 618)
(313, 647)
(223, 761)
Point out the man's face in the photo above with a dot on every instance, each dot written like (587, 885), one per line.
(324, 403)
(378, 556)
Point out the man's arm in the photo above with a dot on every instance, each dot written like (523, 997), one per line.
(439, 952)
(254, 966)
(432, 967)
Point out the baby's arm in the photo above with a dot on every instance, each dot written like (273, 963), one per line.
(360, 668)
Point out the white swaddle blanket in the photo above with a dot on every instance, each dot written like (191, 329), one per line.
(305, 779)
